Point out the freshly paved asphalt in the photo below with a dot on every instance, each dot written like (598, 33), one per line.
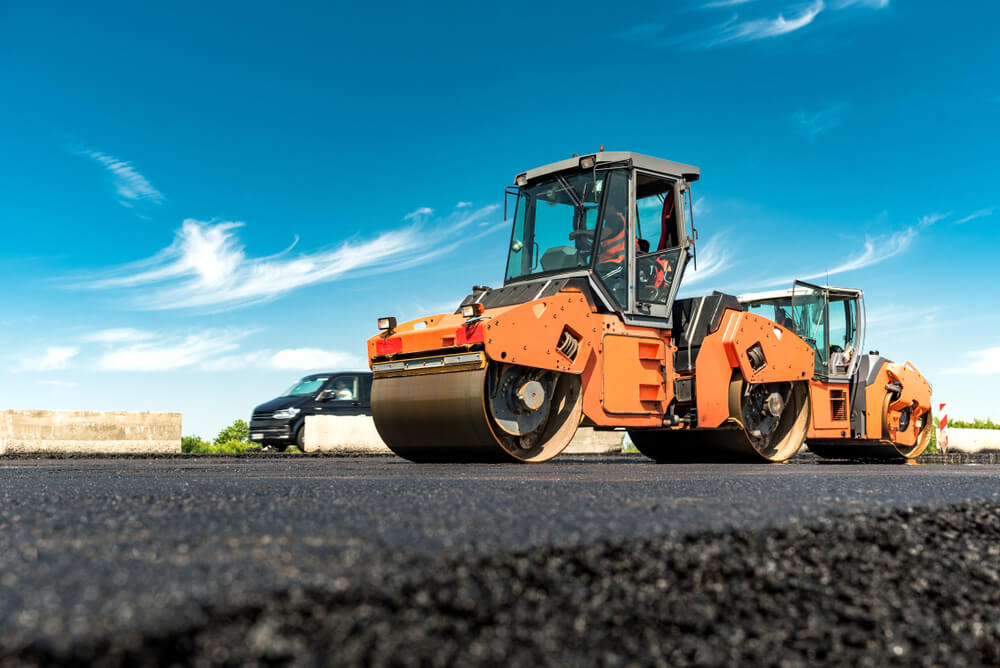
(104, 559)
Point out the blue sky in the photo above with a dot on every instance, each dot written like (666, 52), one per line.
(202, 201)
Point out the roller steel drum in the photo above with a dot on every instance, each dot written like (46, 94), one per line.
(447, 417)
(886, 448)
(740, 439)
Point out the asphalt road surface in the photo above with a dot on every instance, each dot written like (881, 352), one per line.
(611, 560)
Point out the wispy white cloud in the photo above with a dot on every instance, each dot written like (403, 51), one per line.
(64, 384)
(985, 362)
(119, 335)
(419, 214)
(735, 31)
(206, 266)
(699, 207)
(713, 259)
(53, 359)
(814, 124)
(168, 353)
(976, 214)
(129, 350)
(130, 185)
(871, 4)
(725, 3)
(931, 218)
(746, 25)
(287, 359)
(876, 249)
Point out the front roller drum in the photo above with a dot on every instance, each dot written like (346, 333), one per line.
(767, 423)
(499, 413)
(883, 449)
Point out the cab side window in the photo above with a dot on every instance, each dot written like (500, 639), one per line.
(657, 239)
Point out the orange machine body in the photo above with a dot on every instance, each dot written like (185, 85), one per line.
(627, 371)
(588, 329)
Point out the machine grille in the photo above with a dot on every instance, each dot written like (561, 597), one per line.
(838, 405)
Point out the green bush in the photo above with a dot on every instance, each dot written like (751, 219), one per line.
(239, 430)
(975, 424)
(234, 438)
(233, 446)
(932, 447)
(191, 444)
(200, 447)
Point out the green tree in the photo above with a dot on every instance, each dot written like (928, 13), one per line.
(239, 430)
(191, 444)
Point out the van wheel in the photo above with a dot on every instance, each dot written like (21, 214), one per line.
(300, 438)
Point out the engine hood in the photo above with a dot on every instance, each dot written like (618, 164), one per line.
(283, 402)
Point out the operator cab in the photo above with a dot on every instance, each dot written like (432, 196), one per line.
(827, 318)
(614, 218)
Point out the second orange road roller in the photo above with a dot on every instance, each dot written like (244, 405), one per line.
(587, 330)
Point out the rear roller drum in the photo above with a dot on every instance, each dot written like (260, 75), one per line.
(500, 413)
(884, 448)
(767, 423)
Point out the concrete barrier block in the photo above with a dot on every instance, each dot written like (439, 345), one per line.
(97, 432)
(357, 433)
(590, 442)
(342, 433)
(970, 440)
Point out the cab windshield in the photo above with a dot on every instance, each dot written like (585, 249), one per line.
(305, 386)
(555, 223)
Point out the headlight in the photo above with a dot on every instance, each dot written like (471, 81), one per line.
(286, 413)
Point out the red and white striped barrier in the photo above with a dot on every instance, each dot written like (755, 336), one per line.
(942, 425)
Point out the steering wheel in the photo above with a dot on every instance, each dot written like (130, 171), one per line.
(582, 239)
(653, 294)
(645, 279)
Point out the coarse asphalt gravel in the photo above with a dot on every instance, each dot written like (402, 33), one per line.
(284, 560)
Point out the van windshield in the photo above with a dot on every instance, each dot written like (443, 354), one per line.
(304, 386)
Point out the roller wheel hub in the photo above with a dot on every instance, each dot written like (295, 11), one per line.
(521, 403)
(531, 395)
(774, 404)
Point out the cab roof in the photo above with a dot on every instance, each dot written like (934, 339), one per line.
(788, 292)
(638, 160)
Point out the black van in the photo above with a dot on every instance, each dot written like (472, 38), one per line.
(281, 422)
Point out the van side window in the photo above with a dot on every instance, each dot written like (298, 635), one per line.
(344, 388)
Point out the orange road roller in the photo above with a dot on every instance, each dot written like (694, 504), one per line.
(587, 331)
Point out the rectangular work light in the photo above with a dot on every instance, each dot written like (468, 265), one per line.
(472, 310)
(387, 324)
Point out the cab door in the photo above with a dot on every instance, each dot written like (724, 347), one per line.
(809, 312)
(829, 389)
(659, 243)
